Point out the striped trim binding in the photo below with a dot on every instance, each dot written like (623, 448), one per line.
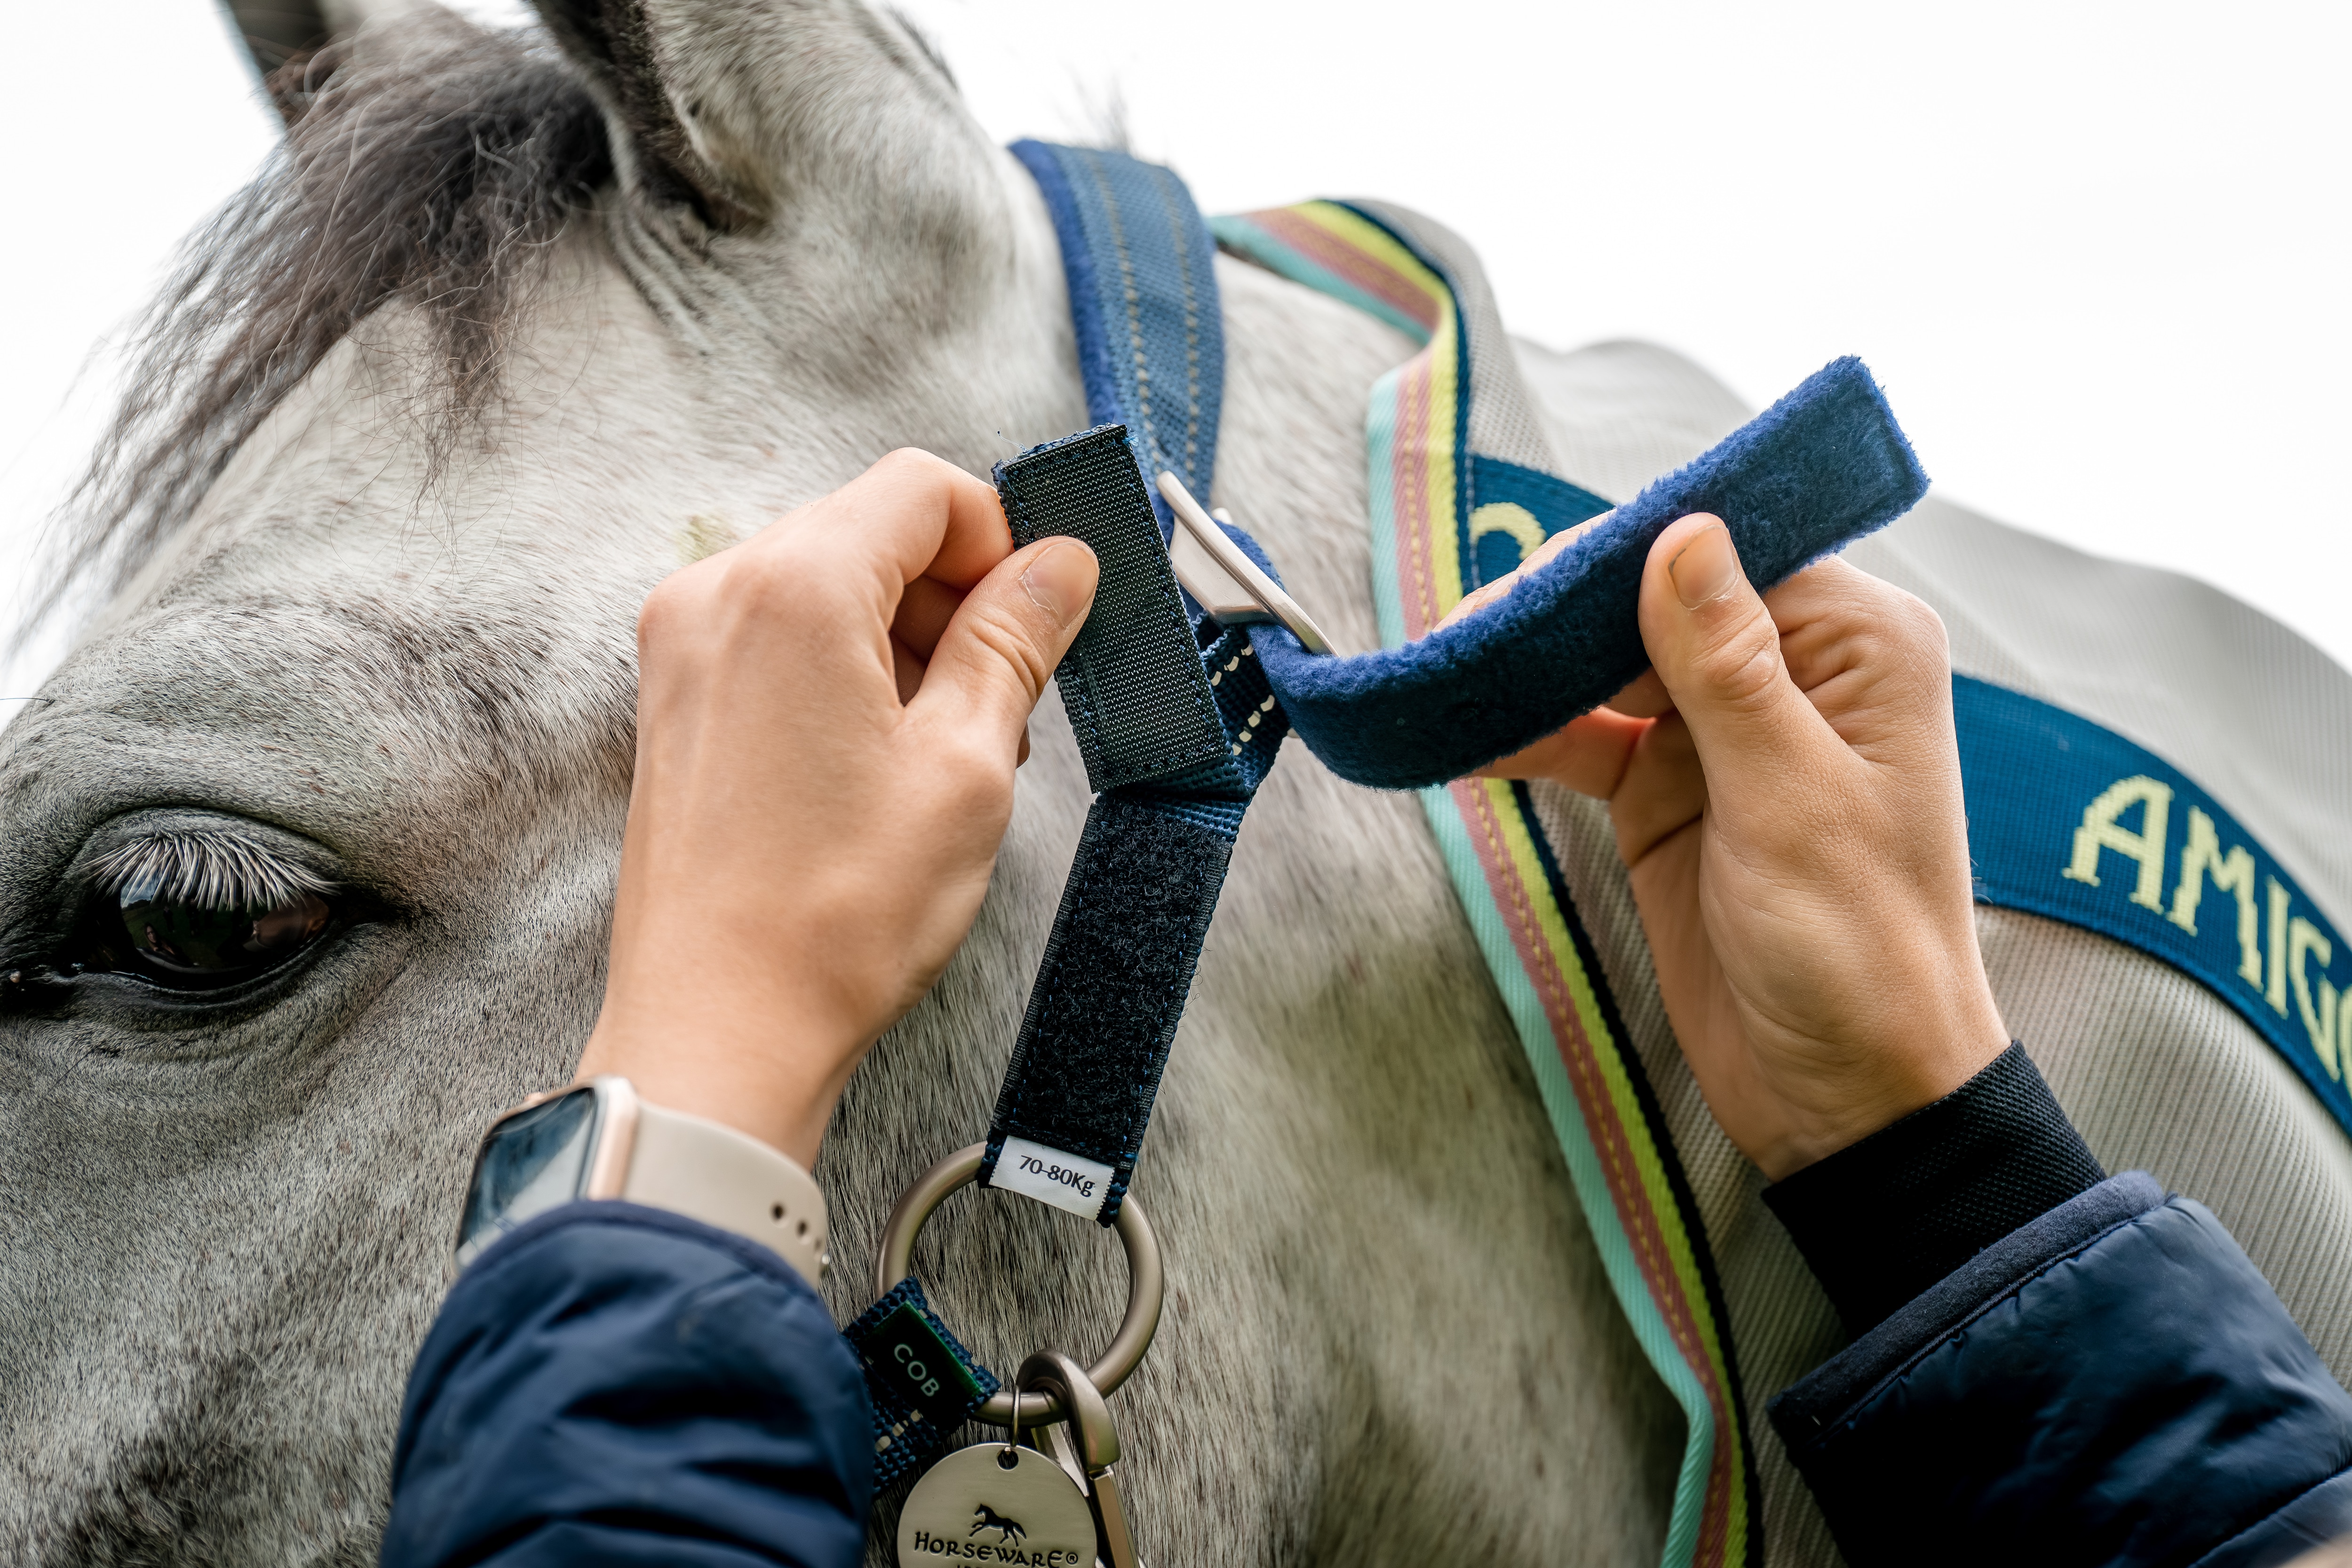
(1626, 1175)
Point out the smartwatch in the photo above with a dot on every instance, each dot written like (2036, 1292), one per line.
(600, 1140)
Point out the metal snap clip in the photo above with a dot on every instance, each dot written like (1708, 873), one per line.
(1221, 578)
(1146, 1284)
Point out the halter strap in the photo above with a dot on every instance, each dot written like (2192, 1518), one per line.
(1176, 737)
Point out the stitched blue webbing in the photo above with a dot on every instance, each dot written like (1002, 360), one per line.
(1143, 298)
(1173, 716)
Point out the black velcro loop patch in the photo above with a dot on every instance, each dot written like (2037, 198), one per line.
(1132, 683)
(1112, 985)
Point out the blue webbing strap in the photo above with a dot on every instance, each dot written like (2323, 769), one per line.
(1176, 739)
(1143, 299)
(1176, 727)
(921, 1380)
(1172, 711)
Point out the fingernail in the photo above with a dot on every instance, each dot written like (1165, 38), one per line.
(1705, 568)
(1061, 581)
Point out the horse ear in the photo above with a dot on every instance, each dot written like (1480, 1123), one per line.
(612, 42)
(725, 105)
(277, 31)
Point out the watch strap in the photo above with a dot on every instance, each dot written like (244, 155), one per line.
(707, 1171)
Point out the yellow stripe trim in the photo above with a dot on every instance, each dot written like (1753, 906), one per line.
(1626, 1109)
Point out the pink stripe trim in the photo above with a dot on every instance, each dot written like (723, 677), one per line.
(1328, 251)
(1609, 1140)
(1414, 511)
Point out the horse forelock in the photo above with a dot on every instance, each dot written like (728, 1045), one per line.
(433, 163)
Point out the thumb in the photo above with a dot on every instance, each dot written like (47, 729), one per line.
(1000, 649)
(1715, 647)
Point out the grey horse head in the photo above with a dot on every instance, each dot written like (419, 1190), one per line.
(306, 852)
(506, 334)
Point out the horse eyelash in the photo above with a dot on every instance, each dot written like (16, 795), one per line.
(210, 870)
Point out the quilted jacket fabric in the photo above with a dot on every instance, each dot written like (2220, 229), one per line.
(615, 1384)
(2112, 1384)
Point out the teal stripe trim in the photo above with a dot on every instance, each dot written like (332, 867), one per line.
(1379, 463)
(1527, 1018)
(1633, 1291)
(1244, 238)
(1495, 945)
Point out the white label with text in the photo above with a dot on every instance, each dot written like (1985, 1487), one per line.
(1066, 1180)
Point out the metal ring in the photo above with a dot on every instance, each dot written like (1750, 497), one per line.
(1145, 1283)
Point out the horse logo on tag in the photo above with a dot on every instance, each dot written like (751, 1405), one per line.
(987, 1517)
(997, 1504)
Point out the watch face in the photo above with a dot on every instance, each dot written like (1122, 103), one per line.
(534, 1161)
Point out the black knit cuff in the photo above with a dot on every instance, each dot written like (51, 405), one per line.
(1885, 1219)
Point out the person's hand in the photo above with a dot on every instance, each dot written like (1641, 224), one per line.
(1786, 789)
(828, 719)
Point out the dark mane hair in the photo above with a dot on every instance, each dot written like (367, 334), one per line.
(436, 170)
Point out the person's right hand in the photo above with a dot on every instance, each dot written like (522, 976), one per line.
(828, 719)
(1786, 789)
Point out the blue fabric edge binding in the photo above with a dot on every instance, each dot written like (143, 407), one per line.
(2038, 768)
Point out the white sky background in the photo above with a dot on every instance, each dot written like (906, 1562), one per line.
(2099, 254)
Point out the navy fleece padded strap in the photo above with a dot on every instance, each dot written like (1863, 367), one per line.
(1821, 467)
(1176, 741)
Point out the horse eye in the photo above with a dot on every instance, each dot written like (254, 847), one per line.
(184, 945)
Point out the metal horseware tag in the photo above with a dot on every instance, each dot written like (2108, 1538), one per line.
(996, 1503)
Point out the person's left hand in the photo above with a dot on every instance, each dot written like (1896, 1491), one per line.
(1785, 784)
(828, 721)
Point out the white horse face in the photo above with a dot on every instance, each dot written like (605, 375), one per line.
(376, 697)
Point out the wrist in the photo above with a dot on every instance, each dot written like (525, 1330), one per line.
(1906, 1066)
(604, 1141)
(771, 1062)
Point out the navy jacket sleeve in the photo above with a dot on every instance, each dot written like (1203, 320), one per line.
(2111, 1382)
(616, 1384)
